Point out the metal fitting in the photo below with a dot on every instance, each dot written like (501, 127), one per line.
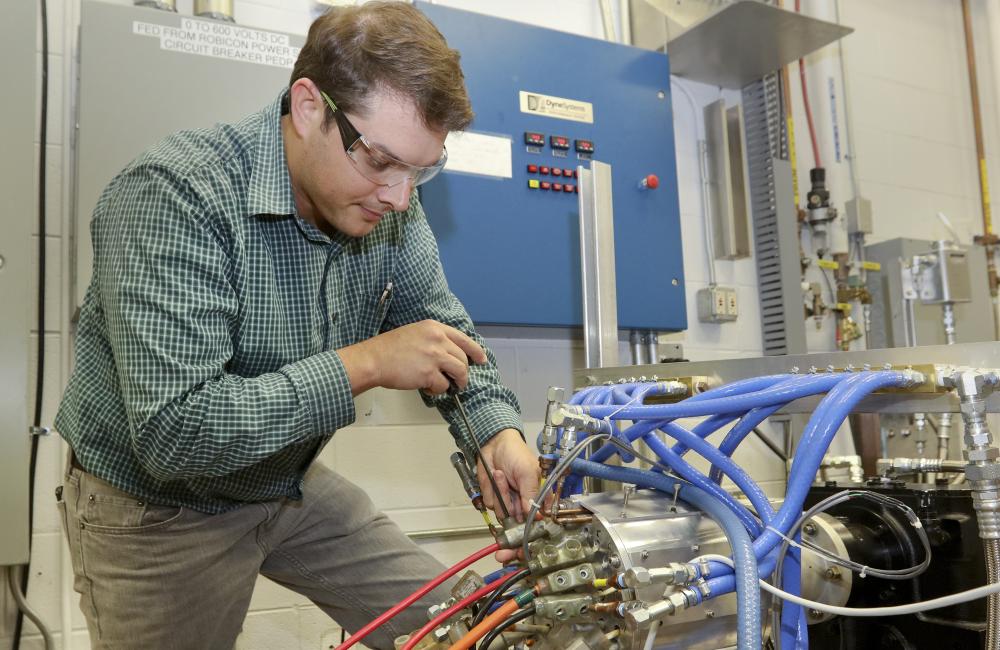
(568, 578)
(677, 601)
(555, 396)
(513, 536)
(562, 608)
(569, 416)
(894, 466)
(912, 378)
(674, 573)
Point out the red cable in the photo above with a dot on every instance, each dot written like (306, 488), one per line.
(415, 596)
(460, 605)
(805, 102)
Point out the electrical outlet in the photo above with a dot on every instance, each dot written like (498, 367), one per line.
(717, 305)
(732, 304)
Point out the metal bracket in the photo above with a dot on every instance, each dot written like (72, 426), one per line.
(39, 431)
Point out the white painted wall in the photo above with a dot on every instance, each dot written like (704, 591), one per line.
(909, 98)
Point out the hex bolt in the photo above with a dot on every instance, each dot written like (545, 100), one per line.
(833, 573)
(809, 529)
(815, 613)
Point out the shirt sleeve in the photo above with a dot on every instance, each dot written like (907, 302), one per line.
(421, 292)
(170, 309)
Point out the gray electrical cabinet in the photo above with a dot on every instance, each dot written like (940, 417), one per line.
(973, 320)
(145, 74)
(17, 187)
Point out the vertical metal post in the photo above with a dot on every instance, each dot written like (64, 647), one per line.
(597, 265)
(18, 44)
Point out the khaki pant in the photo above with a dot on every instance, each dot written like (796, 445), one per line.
(156, 577)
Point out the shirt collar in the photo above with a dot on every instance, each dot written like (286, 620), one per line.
(270, 182)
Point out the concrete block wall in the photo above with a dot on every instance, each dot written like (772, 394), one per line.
(909, 102)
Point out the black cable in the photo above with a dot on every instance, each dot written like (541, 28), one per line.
(515, 618)
(504, 586)
(40, 359)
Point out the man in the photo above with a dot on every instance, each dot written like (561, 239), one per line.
(249, 281)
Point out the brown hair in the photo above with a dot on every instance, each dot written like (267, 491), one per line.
(353, 50)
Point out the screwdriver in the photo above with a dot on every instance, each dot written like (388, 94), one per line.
(453, 392)
(471, 485)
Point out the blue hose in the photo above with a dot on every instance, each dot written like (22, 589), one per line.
(737, 434)
(748, 632)
(742, 386)
(683, 469)
(819, 433)
(726, 465)
(780, 394)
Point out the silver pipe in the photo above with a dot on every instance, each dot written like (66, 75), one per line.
(652, 347)
(12, 581)
(910, 324)
(635, 340)
(944, 435)
(214, 9)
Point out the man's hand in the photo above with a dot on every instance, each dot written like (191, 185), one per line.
(517, 473)
(422, 356)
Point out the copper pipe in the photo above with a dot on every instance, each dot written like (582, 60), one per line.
(610, 607)
(576, 519)
(988, 240)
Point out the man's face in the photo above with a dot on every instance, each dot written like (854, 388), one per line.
(330, 191)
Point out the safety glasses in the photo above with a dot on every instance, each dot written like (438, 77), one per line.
(376, 165)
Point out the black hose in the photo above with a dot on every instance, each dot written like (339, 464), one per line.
(504, 586)
(515, 618)
(40, 359)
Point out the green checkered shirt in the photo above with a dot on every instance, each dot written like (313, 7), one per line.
(206, 368)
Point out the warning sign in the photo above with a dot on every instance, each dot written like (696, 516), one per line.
(222, 41)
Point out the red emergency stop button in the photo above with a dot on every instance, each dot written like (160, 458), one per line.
(650, 182)
(532, 169)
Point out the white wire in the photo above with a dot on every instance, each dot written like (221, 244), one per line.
(949, 226)
(651, 637)
(895, 610)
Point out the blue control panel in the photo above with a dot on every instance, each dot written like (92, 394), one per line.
(509, 239)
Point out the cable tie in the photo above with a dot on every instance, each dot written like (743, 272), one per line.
(863, 572)
(535, 504)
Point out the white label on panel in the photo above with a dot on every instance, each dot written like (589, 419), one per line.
(222, 41)
(479, 153)
(558, 107)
